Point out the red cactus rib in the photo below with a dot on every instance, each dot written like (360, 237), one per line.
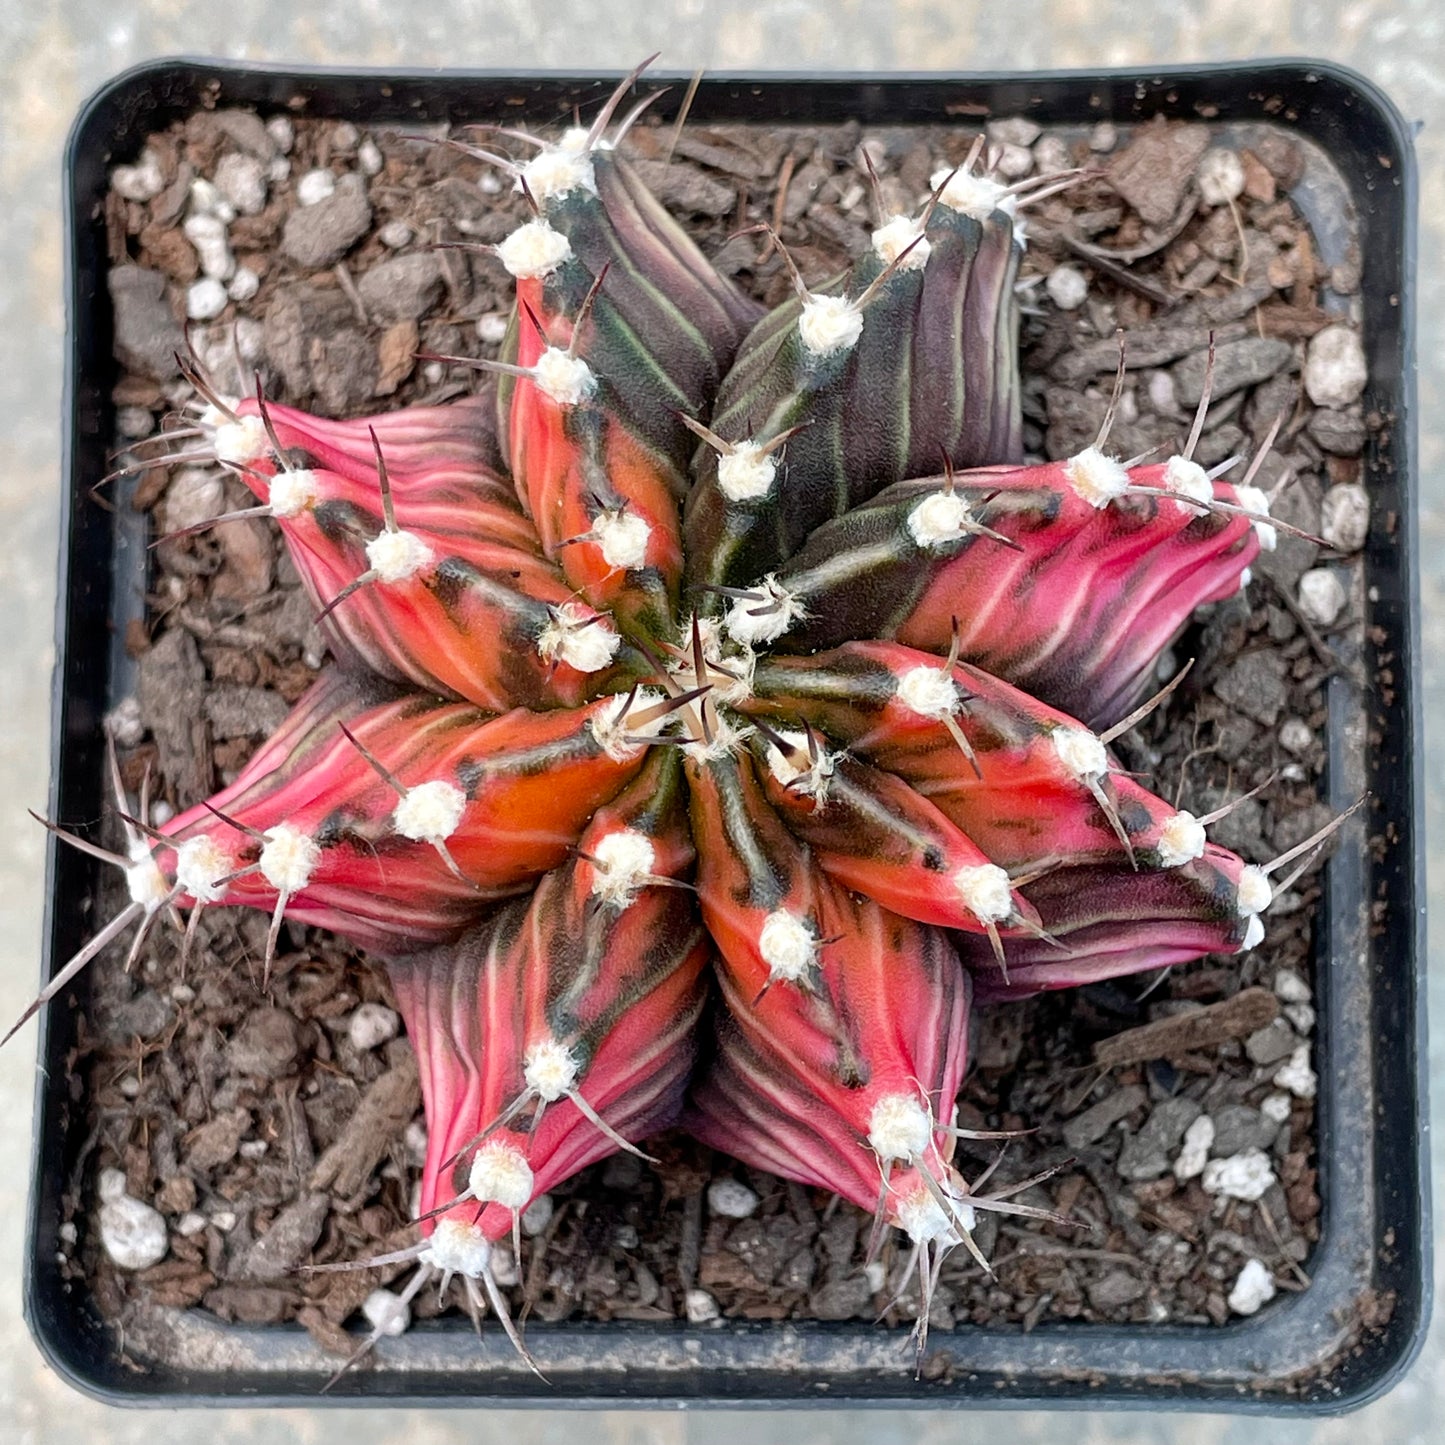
(423, 445)
(873, 833)
(392, 823)
(604, 502)
(1109, 922)
(1028, 784)
(846, 1080)
(1058, 578)
(562, 1028)
(439, 589)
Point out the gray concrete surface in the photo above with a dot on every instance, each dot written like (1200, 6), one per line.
(54, 52)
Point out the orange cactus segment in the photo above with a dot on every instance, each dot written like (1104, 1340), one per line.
(375, 787)
(873, 833)
(462, 607)
(1028, 784)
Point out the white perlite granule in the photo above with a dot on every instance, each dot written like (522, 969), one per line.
(1296, 1074)
(731, 1199)
(1195, 1154)
(1253, 1288)
(1245, 1175)
(371, 1025)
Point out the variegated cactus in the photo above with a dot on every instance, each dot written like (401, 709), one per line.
(709, 644)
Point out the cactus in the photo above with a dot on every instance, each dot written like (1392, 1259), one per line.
(702, 642)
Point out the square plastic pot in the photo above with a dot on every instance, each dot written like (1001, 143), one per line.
(1308, 1352)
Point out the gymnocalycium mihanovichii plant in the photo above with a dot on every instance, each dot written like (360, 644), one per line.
(713, 672)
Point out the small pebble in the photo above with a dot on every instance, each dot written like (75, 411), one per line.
(1221, 176)
(68, 1233)
(206, 299)
(244, 284)
(132, 1233)
(224, 1220)
(731, 1198)
(1104, 137)
(1253, 1287)
(207, 200)
(701, 1307)
(1274, 1042)
(388, 1314)
(253, 1149)
(1068, 287)
(370, 158)
(1195, 1154)
(1297, 1076)
(1289, 987)
(1162, 394)
(504, 1266)
(433, 372)
(249, 336)
(111, 1185)
(395, 234)
(1051, 155)
(1345, 517)
(1246, 1175)
(876, 1273)
(1335, 371)
(279, 170)
(344, 136)
(1302, 1016)
(1014, 130)
(241, 179)
(371, 1025)
(183, 993)
(625, 1236)
(492, 327)
(1012, 162)
(195, 495)
(123, 723)
(282, 133)
(130, 1086)
(134, 422)
(489, 183)
(141, 182)
(1275, 1108)
(315, 186)
(190, 1223)
(1321, 595)
(538, 1215)
(1295, 736)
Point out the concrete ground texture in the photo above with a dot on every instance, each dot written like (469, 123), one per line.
(53, 53)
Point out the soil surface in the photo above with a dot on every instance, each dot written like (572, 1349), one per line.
(272, 1129)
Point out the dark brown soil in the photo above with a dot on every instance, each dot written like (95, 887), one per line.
(268, 1139)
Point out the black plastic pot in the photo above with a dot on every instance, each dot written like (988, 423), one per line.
(1308, 1352)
